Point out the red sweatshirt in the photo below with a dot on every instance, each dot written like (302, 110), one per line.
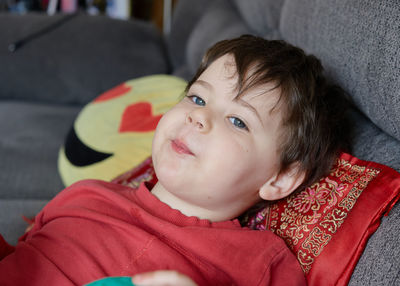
(95, 229)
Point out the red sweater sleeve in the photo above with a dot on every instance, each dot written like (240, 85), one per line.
(28, 265)
(5, 248)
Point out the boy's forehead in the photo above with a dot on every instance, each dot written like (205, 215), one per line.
(223, 68)
(264, 97)
(220, 75)
(229, 65)
(223, 73)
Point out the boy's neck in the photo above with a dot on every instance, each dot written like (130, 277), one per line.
(186, 208)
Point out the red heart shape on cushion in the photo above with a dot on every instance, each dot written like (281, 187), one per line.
(113, 93)
(139, 117)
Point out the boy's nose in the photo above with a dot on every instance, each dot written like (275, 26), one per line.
(198, 119)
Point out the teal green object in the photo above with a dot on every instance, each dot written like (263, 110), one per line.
(113, 281)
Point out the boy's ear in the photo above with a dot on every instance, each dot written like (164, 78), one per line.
(282, 184)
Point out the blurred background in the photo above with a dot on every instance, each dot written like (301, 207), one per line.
(156, 11)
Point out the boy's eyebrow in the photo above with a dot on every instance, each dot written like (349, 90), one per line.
(204, 84)
(249, 107)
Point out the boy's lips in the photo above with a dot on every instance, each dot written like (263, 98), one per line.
(180, 147)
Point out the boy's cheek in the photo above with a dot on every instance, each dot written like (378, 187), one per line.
(160, 128)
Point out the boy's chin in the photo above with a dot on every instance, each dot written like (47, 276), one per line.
(171, 168)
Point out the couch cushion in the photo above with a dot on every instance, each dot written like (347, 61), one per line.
(221, 21)
(262, 16)
(380, 263)
(114, 131)
(359, 45)
(77, 60)
(31, 137)
(371, 143)
(185, 17)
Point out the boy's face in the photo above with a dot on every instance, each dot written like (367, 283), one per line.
(214, 151)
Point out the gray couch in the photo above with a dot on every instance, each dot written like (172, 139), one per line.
(45, 83)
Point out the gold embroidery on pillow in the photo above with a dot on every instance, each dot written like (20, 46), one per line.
(148, 176)
(144, 172)
(334, 220)
(308, 220)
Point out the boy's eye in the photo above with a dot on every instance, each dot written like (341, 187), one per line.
(238, 123)
(197, 100)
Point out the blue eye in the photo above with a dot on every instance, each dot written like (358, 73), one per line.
(238, 123)
(197, 100)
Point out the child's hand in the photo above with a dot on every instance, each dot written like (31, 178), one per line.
(29, 227)
(162, 278)
(30, 221)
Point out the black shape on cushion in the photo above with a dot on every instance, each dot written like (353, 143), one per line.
(79, 154)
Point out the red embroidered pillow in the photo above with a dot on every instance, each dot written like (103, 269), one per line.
(141, 173)
(327, 225)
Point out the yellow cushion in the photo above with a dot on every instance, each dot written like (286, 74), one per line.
(113, 133)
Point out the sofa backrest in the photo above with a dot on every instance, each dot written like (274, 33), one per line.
(186, 15)
(262, 17)
(359, 45)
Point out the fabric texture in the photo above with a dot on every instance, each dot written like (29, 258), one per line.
(33, 134)
(358, 43)
(144, 172)
(327, 226)
(95, 229)
(12, 213)
(113, 281)
(371, 144)
(380, 262)
(186, 15)
(113, 51)
(114, 132)
(219, 22)
(261, 16)
(5, 248)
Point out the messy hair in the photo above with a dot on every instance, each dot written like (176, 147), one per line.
(313, 111)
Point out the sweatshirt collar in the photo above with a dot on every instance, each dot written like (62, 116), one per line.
(163, 211)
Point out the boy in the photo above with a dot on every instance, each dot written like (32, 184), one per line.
(254, 125)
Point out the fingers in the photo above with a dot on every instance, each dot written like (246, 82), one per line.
(162, 278)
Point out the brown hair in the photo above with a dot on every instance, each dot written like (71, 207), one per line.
(315, 127)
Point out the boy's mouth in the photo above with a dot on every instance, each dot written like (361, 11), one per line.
(180, 147)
